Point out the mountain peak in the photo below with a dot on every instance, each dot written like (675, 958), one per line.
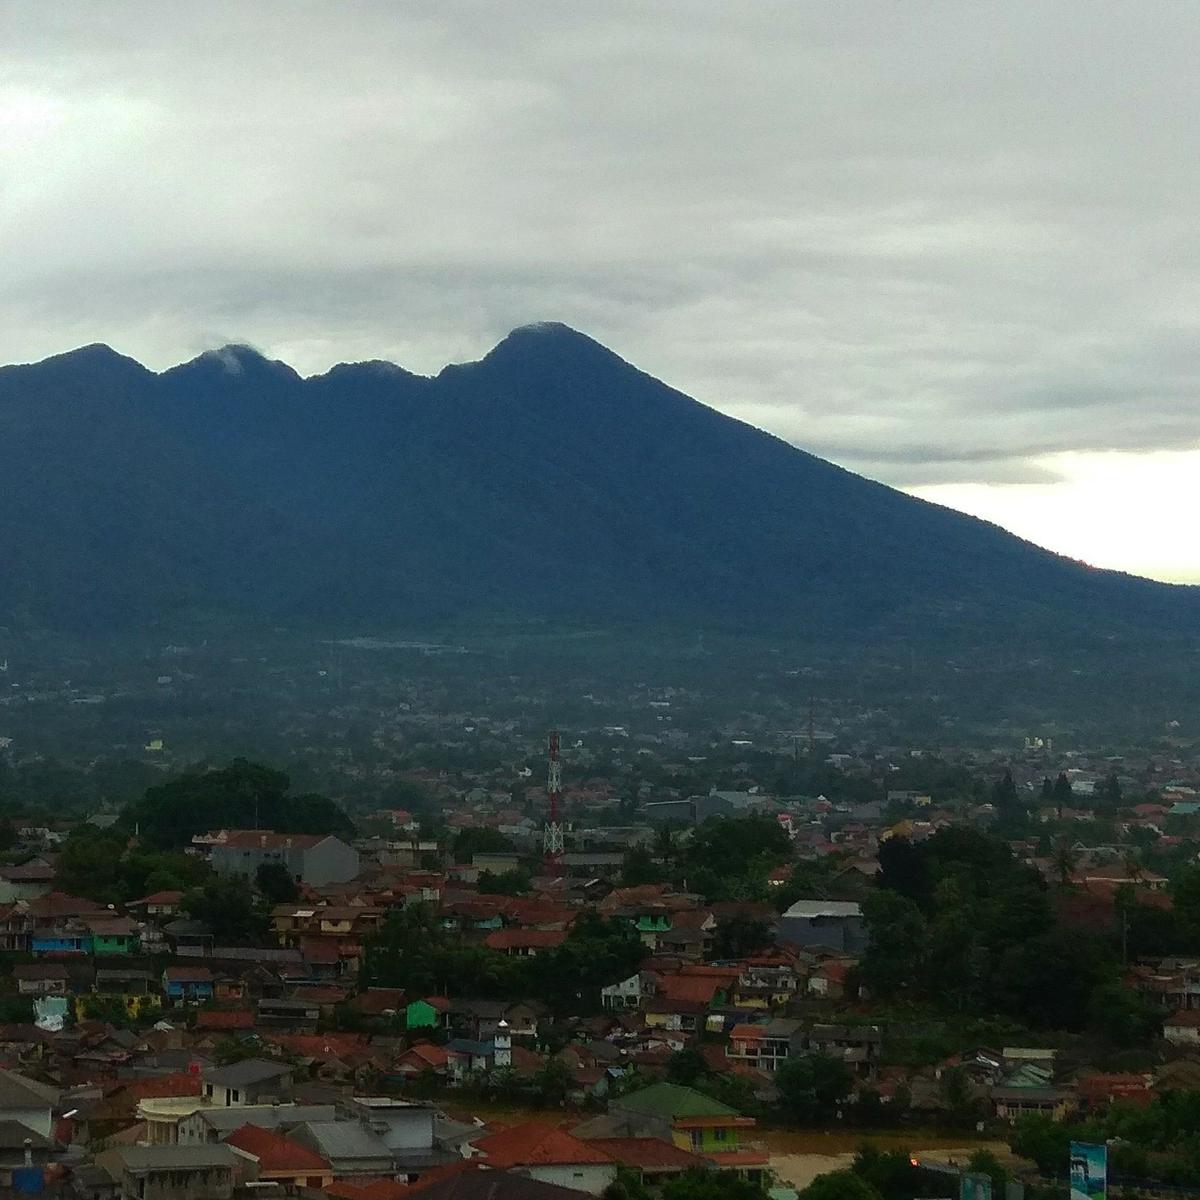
(236, 360)
(83, 366)
(92, 356)
(549, 342)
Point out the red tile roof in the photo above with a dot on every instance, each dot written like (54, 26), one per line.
(160, 1087)
(377, 1001)
(525, 939)
(225, 1020)
(59, 904)
(425, 1054)
(276, 1153)
(648, 1153)
(377, 1189)
(323, 1047)
(156, 898)
(249, 839)
(196, 974)
(537, 1144)
(691, 989)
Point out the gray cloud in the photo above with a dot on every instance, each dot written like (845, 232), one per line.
(932, 241)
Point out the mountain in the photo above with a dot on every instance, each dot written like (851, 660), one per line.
(549, 479)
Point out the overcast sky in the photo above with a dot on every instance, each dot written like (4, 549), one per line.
(952, 246)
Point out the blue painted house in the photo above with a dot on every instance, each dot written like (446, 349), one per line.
(60, 941)
(180, 984)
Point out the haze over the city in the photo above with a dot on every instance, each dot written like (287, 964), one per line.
(948, 247)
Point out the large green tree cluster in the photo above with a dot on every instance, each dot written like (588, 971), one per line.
(414, 952)
(958, 922)
(100, 864)
(1160, 1141)
(729, 858)
(243, 795)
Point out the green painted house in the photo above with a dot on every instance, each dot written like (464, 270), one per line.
(692, 1121)
(113, 935)
(420, 1014)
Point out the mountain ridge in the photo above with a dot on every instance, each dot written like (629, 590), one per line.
(549, 478)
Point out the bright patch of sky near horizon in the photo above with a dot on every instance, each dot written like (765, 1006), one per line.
(950, 246)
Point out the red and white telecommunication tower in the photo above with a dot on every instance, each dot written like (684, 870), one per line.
(552, 839)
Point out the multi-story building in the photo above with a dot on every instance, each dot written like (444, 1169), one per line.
(315, 859)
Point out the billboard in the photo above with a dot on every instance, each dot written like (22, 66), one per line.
(974, 1186)
(1089, 1171)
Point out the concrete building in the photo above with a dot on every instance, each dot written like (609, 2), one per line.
(834, 924)
(170, 1172)
(315, 859)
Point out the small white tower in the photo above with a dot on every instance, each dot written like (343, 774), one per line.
(503, 1044)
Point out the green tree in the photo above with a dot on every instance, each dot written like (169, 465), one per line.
(686, 1067)
(963, 1107)
(984, 1162)
(1185, 894)
(897, 933)
(1108, 795)
(226, 906)
(627, 1186)
(738, 935)
(244, 795)
(718, 1185)
(840, 1185)
(903, 869)
(1004, 793)
(551, 1083)
(736, 846)
(639, 868)
(1048, 981)
(664, 844)
(892, 1173)
(516, 882)
(1064, 859)
(1042, 1140)
(1123, 1017)
(1064, 793)
(482, 840)
(275, 883)
(89, 864)
(812, 1087)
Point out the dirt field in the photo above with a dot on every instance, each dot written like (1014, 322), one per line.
(798, 1158)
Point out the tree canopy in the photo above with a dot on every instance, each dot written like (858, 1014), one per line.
(243, 795)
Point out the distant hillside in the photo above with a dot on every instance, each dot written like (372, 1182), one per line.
(550, 479)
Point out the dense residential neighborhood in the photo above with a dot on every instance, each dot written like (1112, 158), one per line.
(417, 997)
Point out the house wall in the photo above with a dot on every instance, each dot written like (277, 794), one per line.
(329, 861)
(1182, 1035)
(58, 945)
(215, 1183)
(42, 987)
(838, 933)
(37, 1119)
(592, 1178)
(420, 1015)
(113, 945)
(403, 1128)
